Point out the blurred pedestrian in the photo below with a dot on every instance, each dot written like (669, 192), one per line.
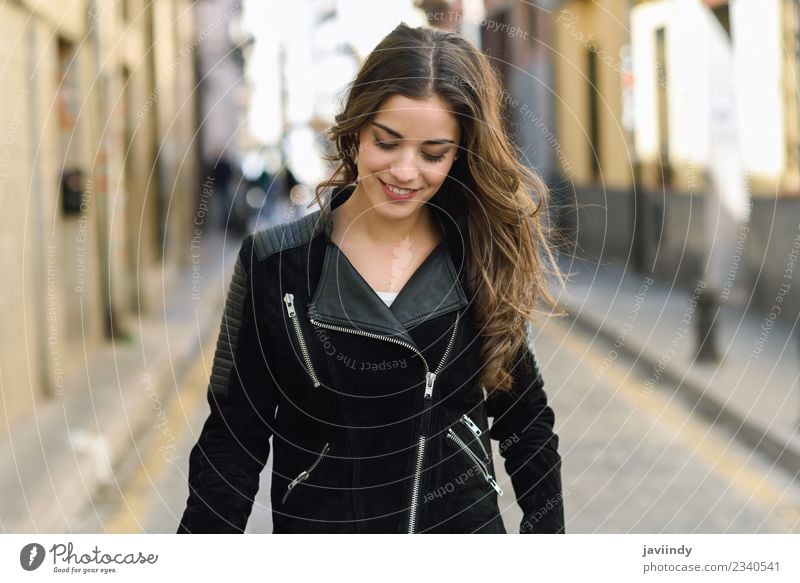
(372, 340)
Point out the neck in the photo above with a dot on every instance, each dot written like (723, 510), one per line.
(353, 220)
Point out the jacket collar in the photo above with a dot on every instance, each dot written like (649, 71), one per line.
(344, 298)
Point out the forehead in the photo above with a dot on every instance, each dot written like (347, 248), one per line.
(425, 119)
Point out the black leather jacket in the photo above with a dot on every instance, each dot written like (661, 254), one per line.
(377, 419)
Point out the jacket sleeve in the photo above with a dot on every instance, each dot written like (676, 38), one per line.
(523, 424)
(233, 447)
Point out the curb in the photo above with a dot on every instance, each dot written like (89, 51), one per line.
(777, 449)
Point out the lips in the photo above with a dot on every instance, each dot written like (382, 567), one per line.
(396, 196)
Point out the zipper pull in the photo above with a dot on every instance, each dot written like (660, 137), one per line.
(300, 478)
(430, 378)
(288, 299)
(493, 483)
(476, 431)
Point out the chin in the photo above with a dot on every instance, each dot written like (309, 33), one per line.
(403, 210)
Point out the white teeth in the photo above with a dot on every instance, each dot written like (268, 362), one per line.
(400, 191)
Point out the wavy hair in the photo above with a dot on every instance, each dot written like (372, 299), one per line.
(509, 257)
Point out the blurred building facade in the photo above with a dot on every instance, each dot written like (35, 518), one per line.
(222, 90)
(98, 177)
(517, 37)
(590, 79)
(632, 101)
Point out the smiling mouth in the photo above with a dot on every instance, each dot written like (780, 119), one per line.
(397, 192)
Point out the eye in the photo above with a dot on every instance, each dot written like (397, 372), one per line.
(432, 158)
(385, 145)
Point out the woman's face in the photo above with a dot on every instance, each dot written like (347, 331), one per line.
(405, 154)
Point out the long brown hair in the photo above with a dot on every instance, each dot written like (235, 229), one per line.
(508, 254)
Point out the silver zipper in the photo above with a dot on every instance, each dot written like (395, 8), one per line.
(476, 431)
(304, 475)
(430, 379)
(374, 336)
(288, 299)
(486, 474)
(412, 520)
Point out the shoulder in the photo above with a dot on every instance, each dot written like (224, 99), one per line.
(285, 236)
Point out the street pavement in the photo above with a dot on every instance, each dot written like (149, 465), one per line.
(753, 390)
(644, 461)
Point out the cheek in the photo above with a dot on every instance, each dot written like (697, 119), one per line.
(373, 159)
(436, 177)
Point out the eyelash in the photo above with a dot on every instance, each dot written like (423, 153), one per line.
(427, 157)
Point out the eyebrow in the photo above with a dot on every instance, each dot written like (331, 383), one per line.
(399, 136)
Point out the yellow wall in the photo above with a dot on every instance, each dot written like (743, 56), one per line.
(16, 346)
(578, 26)
(47, 321)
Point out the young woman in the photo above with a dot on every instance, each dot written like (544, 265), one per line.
(373, 339)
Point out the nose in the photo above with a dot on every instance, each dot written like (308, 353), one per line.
(403, 170)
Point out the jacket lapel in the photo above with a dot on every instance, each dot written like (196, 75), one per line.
(432, 291)
(344, 298)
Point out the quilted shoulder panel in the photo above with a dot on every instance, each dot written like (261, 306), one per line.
(287, 235)
(229, 331)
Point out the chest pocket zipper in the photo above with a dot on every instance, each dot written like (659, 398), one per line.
(482, 466)
(305, 474)
(476, 431)
(288, 299)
